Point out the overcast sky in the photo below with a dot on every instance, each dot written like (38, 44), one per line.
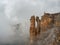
(18, 11)
(26, 8)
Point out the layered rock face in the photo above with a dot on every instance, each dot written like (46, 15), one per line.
(48, 28)
(32, 27)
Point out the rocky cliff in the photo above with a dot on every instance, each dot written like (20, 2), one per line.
(45, 31)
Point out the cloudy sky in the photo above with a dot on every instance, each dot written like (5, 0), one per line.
(20, 11)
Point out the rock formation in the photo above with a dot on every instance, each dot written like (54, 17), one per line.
(47, 22)
(32, 26)
(38, 25)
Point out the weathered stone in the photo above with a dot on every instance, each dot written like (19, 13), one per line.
(32, 27)
(38, 24)
(48, 21)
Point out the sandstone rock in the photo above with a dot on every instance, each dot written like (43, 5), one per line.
(48, 23)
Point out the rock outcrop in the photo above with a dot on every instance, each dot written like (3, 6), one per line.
(47, 23)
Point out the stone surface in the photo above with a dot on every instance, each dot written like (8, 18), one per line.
(47, 31)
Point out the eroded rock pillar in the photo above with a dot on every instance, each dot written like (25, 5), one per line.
(32, 29)
(38, 25)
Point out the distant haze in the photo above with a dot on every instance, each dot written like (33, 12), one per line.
(13, 12)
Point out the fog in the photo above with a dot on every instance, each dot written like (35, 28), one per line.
(14, 12)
